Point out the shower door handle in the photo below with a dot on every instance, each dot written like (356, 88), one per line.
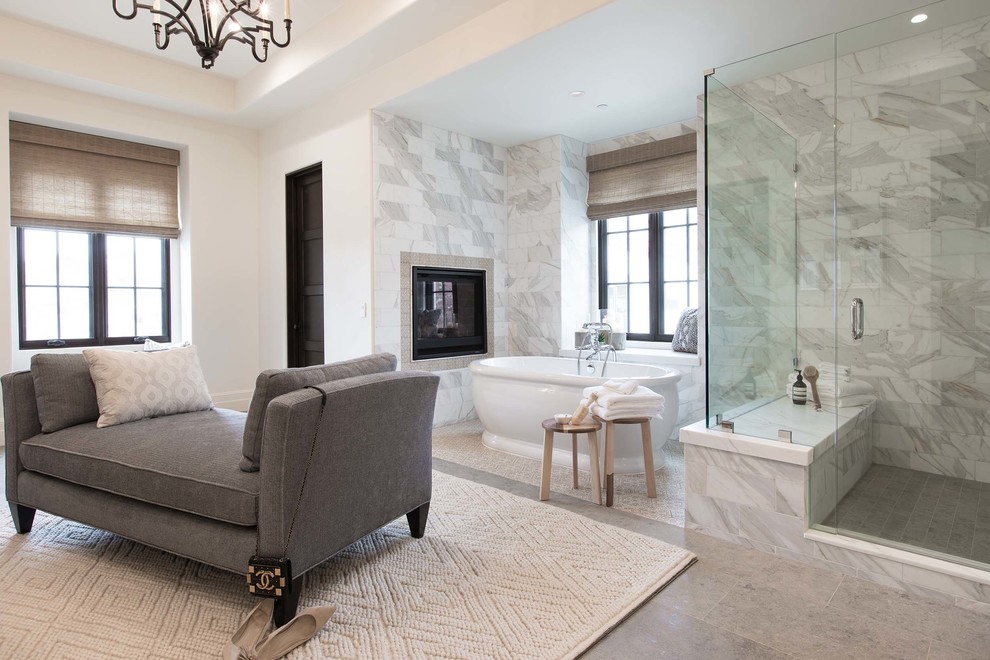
(857, 318)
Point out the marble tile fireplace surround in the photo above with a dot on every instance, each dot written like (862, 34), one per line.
(410, 321)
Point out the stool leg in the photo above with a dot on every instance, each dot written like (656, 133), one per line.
(651, 477)
(574, 459)
(609, 463)
(596, 477)
(547, 461)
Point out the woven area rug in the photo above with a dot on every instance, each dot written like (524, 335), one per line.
(497, 576)
(461, 443)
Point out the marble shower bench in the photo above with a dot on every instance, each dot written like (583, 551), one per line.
(770, 491)
(767, 494)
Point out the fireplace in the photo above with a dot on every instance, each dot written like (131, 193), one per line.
(449, 312)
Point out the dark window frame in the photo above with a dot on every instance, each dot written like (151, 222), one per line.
(97, 301)
(656, 288)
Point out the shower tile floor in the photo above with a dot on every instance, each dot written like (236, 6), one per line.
(931, 511)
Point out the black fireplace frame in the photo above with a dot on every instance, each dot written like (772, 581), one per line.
(432, 348)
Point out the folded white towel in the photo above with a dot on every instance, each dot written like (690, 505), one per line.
(855, 400)
(832, 369)
(606, 396)
(609, 414)
(627, 386)
(620, 406)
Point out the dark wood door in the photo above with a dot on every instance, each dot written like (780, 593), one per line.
(304, 239)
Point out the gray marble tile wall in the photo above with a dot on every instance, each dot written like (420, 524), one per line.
(578, 241)
(534, 253)
(437, 192)
(913, 154)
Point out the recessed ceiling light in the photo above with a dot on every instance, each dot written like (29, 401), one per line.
(919, 18)
(602, 106)
(577, 92)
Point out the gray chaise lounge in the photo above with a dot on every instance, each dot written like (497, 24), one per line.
(174, 482)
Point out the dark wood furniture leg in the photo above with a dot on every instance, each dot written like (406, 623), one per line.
(417, 520)
(285, 607)
(23, 517)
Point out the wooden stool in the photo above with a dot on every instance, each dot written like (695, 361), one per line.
(591, 427)
(651, 478)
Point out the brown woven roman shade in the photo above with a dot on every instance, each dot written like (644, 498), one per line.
(70, 180)
(649, 177)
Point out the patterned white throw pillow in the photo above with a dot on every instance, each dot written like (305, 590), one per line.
(686, 334)
(132, 386)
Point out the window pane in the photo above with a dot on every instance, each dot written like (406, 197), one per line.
(639, 256)
(120, 261)
(693, 253)
(41, 313)
(676, 217)
(639, 309)
(693, 215)
(617, 257)
(148, 252)
(674, 303)
(74, 313)
(39, 258)
(73, 259)
(616, 224)
(675, 254)
(618, 304)
(149, 313)
(693, 295)
(641, 221)
(120, 313)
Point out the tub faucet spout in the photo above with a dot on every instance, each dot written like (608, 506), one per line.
(595, 346)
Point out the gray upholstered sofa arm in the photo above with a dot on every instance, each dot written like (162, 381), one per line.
(371, 463)
(20, 422)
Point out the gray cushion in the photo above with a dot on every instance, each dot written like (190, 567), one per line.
(273, 383)
(186, 462)
(686, 335)
(65, 392)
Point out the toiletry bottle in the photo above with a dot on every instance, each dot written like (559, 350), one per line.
(748, 385)
(799, 391)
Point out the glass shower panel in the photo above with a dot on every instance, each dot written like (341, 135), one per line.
(750, 179)
(912, 248)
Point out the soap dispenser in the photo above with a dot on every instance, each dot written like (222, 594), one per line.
(799, 391)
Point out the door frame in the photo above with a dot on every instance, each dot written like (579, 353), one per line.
(293, 244)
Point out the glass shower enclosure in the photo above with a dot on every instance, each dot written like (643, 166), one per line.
(848, 229)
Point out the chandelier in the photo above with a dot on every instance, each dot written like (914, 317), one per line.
(210, 24)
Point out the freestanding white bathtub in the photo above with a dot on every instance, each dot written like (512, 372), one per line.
(513, 395)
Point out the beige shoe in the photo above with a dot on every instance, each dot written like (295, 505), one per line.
(251, 631)
(295, 633)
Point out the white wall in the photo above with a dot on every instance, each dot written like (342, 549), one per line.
(218, 292)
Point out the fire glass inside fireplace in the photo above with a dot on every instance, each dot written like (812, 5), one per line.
(449, 313)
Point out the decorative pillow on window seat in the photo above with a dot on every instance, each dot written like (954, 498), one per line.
(132, 386)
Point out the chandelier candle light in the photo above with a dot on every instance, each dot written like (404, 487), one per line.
(245, 21)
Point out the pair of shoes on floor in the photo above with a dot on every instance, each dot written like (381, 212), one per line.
(252, 641)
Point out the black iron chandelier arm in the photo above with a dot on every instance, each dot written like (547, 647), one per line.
(176, 18)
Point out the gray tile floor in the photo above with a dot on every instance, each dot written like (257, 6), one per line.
(928, 510)
(736, 602)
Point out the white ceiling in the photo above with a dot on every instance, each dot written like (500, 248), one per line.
(644, 58)
(95, 19)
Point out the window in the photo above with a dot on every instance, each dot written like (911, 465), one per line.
(648, 271)
(91, 289)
